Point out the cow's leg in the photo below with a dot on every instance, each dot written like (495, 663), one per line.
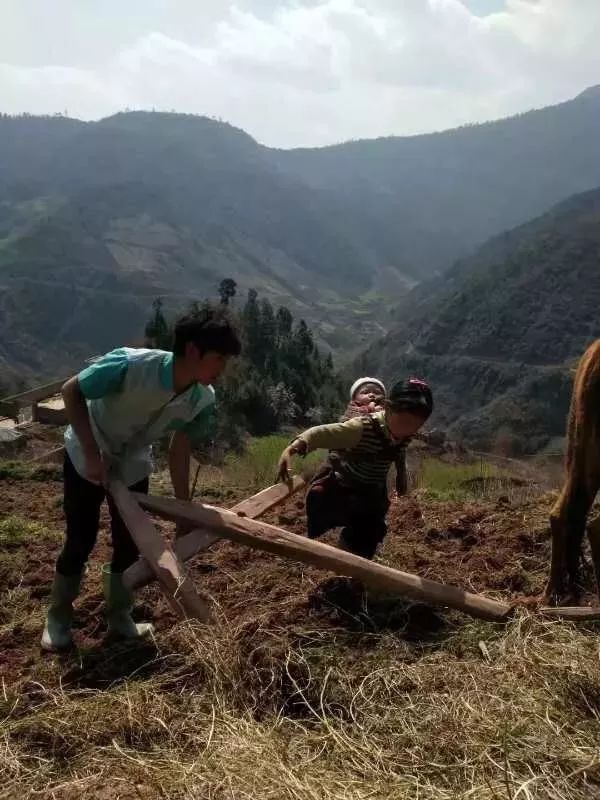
(579, 511)
(556, 579)
(567, 527)
(593, 533)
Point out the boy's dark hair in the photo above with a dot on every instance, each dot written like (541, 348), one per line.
(412, 395)
(210, 329)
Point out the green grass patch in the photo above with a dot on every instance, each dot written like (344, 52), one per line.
(373, 296)
(22, 471)
(256, 468)
(14, 470)
(460, 481)
(248, 473)
(16, 531)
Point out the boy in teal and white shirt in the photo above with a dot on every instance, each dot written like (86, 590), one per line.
(117, 408)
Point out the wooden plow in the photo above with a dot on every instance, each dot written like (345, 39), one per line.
(163, 562)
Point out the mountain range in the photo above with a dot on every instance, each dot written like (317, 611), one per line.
(99, 218)
(499, 334)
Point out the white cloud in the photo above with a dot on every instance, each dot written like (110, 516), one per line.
(308, 71)
(47, 90)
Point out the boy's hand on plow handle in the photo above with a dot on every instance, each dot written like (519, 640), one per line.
(183, 528)
(96, 468)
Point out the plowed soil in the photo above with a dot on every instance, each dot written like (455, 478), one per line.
(495, 547)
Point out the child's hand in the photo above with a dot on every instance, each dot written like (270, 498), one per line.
(285, 462)
(285, 465)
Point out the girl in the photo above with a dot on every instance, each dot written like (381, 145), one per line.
(350, 489)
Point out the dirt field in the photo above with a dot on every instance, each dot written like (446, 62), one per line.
(499, 548)
(303, 661)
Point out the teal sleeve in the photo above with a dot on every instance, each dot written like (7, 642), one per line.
(104, 376)
(202, 428)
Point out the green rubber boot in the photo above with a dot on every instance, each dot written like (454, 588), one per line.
(119, 602)
(57, 631)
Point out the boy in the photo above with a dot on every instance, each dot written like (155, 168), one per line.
(350, 490)
(366, 397)
(116, 408)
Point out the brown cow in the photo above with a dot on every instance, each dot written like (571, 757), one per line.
(569, 516)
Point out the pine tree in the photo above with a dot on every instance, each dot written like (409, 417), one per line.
(280, 379)
(267, 334)
(157, 331)
(227, 290)
(284, 322)
(304, 338)
(251, 328)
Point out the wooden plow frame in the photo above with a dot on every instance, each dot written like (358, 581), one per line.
(159, 561)
(163, 562)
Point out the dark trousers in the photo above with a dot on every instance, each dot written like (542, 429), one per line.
(360, 512)
(82, 502)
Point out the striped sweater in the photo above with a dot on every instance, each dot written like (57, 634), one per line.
(361, 449)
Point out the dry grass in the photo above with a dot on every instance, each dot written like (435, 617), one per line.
(273, 709)
(489, 712)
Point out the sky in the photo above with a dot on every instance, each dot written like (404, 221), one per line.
(299, 72)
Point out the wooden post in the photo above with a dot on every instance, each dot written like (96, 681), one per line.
(141, 573)
(574, 613)
(31, 398)
(177, 587)
(51, 411)
(275, 540)
(10, 410)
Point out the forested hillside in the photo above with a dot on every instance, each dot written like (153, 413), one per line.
(98, 218)
(500, 333)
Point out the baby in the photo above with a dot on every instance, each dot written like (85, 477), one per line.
(367, 396)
